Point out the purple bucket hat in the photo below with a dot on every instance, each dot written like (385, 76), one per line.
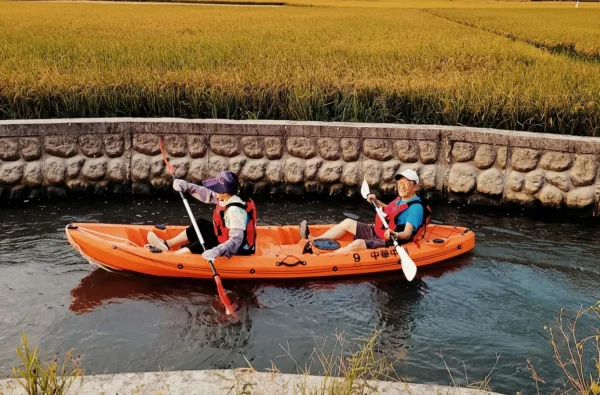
(225, 182)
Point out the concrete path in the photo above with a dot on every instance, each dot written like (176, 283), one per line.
(215, 382)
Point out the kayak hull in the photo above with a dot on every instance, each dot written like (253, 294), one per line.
(278, 253)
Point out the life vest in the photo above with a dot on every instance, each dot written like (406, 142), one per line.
(393, 210)
(248, 246)
(426, 217)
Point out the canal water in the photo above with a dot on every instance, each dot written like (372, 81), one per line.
(482, 312)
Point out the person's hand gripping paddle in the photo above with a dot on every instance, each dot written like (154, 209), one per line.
(408, 266)
(222, 294)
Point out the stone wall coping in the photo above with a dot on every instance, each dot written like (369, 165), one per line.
(77, 126)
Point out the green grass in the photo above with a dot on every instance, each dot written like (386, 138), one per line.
(386, 61)
(45, 378)
(360, 368)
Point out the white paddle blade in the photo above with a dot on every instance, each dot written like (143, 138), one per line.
(408, 266)
(364, 189)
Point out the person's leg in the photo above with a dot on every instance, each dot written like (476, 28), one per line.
(179, 239)
(195, 247)
(358, 244)
(164, 245)
(346, 226)
(207, 231)
(183, 250)
(205, 227)
(362, 244)
(157, 242)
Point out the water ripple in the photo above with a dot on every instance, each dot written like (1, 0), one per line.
(492, 301)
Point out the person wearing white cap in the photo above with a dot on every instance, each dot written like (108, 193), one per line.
(405, 216)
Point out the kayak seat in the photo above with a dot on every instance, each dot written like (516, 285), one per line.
(287, 236)
(138, 236)
(276, 235)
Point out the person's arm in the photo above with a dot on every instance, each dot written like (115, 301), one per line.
(199, 192)
(414, 219)
(406, 234)
(378, 202)
(237, 218)
(228, 248)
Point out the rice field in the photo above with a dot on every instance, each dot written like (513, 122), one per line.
(572, 31)
(377, 61)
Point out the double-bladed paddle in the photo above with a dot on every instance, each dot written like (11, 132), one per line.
(222, 294)
(408, 266)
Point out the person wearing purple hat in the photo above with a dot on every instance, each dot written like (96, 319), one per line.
(407, 215)
(233, 228)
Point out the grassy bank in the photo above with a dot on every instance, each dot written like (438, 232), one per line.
(373, 64)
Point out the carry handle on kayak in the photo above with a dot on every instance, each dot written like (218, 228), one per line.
(222, 294)
(408, 266)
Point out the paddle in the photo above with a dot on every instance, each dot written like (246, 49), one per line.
(228, 306)
(351, 216)
(408, 266)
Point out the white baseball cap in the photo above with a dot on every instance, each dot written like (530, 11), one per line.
(409, 174)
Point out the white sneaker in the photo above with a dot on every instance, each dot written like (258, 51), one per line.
(157, 242)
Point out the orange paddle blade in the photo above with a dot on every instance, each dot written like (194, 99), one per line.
(162, 151)
(224, 298)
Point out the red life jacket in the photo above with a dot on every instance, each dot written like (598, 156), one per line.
(420, 234)
(248, 246)
(393, 210)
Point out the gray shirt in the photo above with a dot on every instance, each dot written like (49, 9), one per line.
(236, 219)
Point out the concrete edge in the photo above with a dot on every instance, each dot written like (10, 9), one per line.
(499, 133)
(232, 381)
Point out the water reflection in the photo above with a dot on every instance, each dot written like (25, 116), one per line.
(189, 310)
(101, 288)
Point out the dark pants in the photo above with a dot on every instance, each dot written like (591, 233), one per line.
(367, 233)
(208, 234)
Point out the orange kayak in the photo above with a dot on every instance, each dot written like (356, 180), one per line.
(279, 252)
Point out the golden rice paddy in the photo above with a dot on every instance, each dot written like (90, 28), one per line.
(522, 66)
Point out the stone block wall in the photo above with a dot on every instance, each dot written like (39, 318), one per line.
(287, 158)
(523, 168)
(54, 164)
(480, 166)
